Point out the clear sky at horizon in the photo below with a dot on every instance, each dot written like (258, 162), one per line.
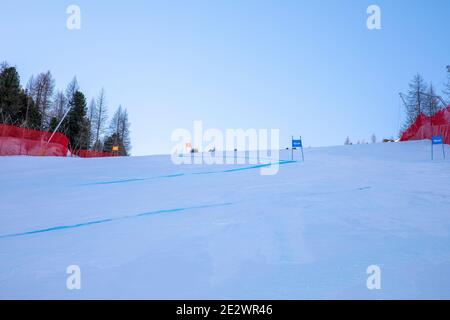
(309, 68)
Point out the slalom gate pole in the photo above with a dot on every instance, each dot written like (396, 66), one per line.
(292, 148)
(303, 156)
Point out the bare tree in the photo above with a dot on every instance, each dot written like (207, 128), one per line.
(71, 89)
(125, 132)
(119, 132)
(431, 102)
(447, 85)
(115, 124)
(59, 105)
(91, 114)
(415, 100)
(100, 117)
(41, 89)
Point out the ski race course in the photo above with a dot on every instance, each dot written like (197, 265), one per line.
(144, 228)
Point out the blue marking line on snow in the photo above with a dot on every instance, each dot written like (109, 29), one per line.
(134, 179)
(259, 166)
(90, 223)
(121, 181)
(174, 175)
(204, 172)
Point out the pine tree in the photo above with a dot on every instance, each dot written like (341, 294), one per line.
(373, 138)
(53, 124)
(29, 115)
(9, 95)
(76, 124)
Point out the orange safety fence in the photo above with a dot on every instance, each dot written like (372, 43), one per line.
(16, 141)
(93, 154)
(426, 127)
(21, 141)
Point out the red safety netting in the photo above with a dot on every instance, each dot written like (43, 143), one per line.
(20, 141)
(92, 154)
(425, 127)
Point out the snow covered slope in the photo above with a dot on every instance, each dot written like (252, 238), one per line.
(145, 228)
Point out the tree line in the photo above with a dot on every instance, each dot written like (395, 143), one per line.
(421, 98)
(424, 98)
(38, 106)
(373, 139)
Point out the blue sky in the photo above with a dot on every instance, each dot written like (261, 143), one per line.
(305, 67)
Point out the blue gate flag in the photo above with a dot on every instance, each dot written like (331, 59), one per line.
(437, 140)
(297, 144)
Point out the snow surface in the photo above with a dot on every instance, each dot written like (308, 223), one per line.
(144, 228)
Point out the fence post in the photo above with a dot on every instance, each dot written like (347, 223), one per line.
(292, 148)
(303, 156)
